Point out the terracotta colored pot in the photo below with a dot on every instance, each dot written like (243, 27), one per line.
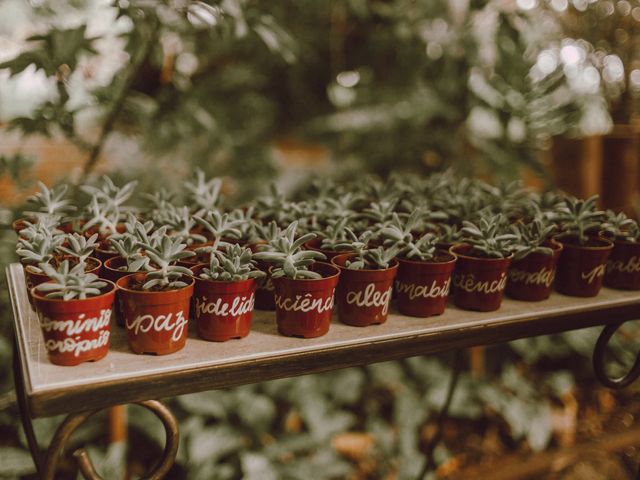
(76, 331)
(265, 292)
(422, 288)
(223, 310)
(315, 246)
(531, 278)
(479, 282)
(581, 268)
(364, 296)
(304, 306)
(623, 266)
(18, 225)
(156, 322)
(111, 271)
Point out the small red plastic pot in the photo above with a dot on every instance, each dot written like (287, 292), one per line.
(422, 288)
(304, 306)
(265, 292)
(623, 266)
(315, 246)
(223, 310)
(198, 258)
(479, 282)
(76, 331)
(531, 278)
(364, 296)
(581, 268)
(156, 321)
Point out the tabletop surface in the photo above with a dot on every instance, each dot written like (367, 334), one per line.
(123, 376)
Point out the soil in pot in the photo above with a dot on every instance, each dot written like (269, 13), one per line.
(304, 306)
(156, 321)
(76, 331)
(623, 266)
(422, 288)
(223, 310)
(531, 278)
(581, 268)
(479, 282)
(364, 296)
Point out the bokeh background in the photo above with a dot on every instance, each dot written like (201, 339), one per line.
(281, 91)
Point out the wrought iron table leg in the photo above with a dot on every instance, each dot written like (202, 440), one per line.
(23, 409)
(46, 464)
(442, 416)
(73, 421)
(599, 363)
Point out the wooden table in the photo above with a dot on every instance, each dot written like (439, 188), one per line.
(124, 377)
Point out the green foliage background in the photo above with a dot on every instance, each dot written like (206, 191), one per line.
(385, 85)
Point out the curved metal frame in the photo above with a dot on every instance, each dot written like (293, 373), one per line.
(599, 363)
(47, 462)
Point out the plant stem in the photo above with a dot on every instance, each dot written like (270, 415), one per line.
(116, 107)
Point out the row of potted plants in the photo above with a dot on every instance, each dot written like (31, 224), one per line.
(424, 239)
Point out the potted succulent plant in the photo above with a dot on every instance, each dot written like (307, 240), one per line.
(483, 260)
(623, 266)
(47, 203)
(366, 280)
(155, 305)
(303, 287)
(533, 269)
(74, 308)
(583, 261)
(327, 242)
(224, 294)
(423, 281)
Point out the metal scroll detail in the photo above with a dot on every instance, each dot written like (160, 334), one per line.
(599, 363)
(73, 421)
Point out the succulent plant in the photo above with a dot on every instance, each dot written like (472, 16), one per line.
(180, 224)
(401, 229)
(490, 237)
(449, 233)
(621, 227)
(379, 213)
(79, 246)
(101, 217)
(380, 257)
(532, 236)
(334, 234)
(43, 222)
(50, 201)
(424, 249)
(245, 223)
(231, 265)
(286, 254)
(168, 276)
(39, 248)
(577, 217)
(69, 284)
(220, 225)
(202, 193)
(109, 194)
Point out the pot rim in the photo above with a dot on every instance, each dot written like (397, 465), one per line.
(217, 282)
(310, 280)
(36, 295)
(453, 259)
(608, 244)
(157, 292)
(393, 265)
(479, 259)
